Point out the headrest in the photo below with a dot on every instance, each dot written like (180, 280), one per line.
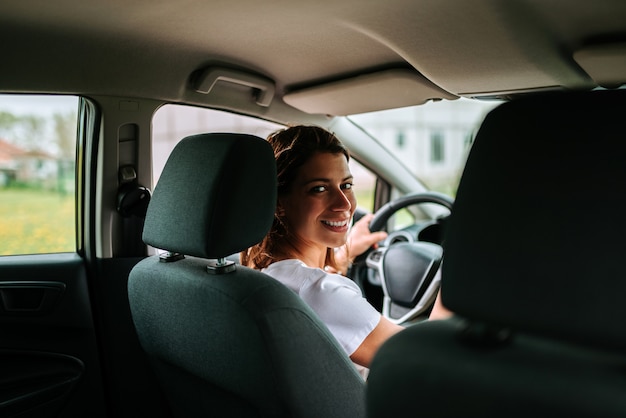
(216, 196)
(537, 237)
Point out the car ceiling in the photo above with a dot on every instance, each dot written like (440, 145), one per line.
(441, 49)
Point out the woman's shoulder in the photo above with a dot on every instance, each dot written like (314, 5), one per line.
(297, 275)
(288, 266)
(292, 272)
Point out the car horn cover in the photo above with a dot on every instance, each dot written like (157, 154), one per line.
(409, 268)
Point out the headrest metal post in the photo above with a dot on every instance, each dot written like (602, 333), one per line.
(220, 266)
(170, 257)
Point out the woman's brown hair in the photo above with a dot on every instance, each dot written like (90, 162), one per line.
(293, 147)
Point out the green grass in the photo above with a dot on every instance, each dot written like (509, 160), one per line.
(35, 222)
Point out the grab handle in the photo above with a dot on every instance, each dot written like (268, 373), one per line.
(264, 87)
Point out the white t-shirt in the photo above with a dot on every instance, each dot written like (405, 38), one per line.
(337, 300)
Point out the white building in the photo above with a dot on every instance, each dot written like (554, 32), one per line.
(432, 140)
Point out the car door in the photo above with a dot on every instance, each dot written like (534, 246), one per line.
(68, 347)
(49, 357)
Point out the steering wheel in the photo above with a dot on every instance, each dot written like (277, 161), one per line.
(410, 272)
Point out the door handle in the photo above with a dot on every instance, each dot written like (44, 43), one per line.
(29, 297)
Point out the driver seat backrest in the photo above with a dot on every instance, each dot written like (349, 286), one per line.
(223, 339)
(534, 270)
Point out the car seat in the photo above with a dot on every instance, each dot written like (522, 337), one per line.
(223, 339)
(533, 269)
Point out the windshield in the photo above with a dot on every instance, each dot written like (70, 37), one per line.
(432, 140)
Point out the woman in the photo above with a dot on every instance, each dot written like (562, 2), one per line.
(315, 205)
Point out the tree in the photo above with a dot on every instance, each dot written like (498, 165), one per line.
(65, 138)
(23, 130)
(65, 133)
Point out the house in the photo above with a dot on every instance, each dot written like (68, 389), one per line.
(20, 166)
(9, 158)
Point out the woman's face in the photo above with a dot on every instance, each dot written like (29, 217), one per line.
(321, 202)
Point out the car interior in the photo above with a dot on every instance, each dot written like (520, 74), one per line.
(133, 170)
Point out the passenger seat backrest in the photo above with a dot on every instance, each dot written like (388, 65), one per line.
(533, 270)
(226, 340)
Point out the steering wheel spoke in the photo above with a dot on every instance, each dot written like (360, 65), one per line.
(400, 314)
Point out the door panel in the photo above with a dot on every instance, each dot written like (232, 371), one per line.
(49, 358)
(37, 383)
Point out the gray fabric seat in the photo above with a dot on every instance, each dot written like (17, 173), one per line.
(230, 343)
(534, 271)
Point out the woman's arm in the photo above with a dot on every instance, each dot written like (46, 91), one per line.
(364, 354)
(384, 330)
(439, 311)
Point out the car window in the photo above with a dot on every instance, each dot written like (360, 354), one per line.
(171, 123)
(432, 140)
(37, 174)
(364, 185)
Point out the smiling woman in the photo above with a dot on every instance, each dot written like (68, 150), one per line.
(315, 204)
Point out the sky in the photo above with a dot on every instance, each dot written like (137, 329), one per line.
(39, 105)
